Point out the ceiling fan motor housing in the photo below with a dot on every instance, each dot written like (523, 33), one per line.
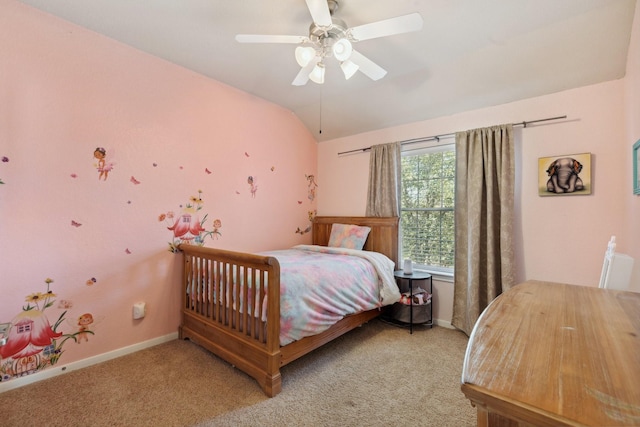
(323, 38)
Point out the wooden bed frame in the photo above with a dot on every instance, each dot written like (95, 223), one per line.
(241, 337)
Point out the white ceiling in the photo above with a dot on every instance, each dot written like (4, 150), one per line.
(470, 54)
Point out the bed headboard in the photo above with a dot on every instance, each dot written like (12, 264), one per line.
(383, 236)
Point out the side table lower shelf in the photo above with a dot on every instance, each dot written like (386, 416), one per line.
(401, 314)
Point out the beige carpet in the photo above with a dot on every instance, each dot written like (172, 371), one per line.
(377, 375)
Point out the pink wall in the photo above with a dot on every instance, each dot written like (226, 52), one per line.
(171, 135)
(557, 238)
(632, 109)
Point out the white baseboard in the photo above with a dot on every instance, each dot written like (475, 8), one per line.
(63, 369)
(443, 323)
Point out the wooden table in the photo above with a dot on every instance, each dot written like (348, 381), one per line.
(551, 354)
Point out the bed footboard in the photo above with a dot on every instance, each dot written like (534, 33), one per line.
(224, 310)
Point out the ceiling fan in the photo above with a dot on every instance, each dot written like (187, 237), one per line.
(329, 36)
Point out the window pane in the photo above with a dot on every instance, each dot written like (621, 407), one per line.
(427, 237)
(448, 192)
(427, 212)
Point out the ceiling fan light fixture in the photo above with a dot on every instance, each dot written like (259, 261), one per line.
(349, 69)
(317, 74)
(329, 36)
(304, 55)
(342, 49)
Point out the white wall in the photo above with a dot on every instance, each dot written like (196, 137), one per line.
(558, 239)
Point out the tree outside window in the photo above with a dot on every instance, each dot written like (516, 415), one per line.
(427, 208)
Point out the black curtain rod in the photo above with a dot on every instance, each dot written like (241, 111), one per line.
(446, 135)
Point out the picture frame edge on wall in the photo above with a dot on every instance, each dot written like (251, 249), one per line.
(635, 155)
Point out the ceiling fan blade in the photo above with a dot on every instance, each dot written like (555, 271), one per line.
(320, 12)
(303, 75)
(388, 27)
(367, 66)
(262, 38)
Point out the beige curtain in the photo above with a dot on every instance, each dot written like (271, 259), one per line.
(484, 259)
(384, 180)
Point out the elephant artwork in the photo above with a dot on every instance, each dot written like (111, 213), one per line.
(564, 175)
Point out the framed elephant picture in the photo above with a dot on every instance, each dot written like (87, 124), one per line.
(565, 175)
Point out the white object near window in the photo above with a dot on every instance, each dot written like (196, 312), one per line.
(408, 267)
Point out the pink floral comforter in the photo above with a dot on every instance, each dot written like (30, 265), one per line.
(320, 285)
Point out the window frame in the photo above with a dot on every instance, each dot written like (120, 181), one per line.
(441, 273)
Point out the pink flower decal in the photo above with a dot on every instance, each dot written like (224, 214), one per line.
(186, 227)
(29, 334)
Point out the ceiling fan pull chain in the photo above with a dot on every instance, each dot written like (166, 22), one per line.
(320, 124)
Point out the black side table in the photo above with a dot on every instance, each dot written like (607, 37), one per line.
(416, 275)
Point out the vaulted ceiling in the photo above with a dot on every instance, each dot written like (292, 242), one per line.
(469, 54)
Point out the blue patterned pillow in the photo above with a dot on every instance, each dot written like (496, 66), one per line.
(348, 236)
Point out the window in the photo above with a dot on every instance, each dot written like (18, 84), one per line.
(427, 208)
(49, 351)
(23, 328)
